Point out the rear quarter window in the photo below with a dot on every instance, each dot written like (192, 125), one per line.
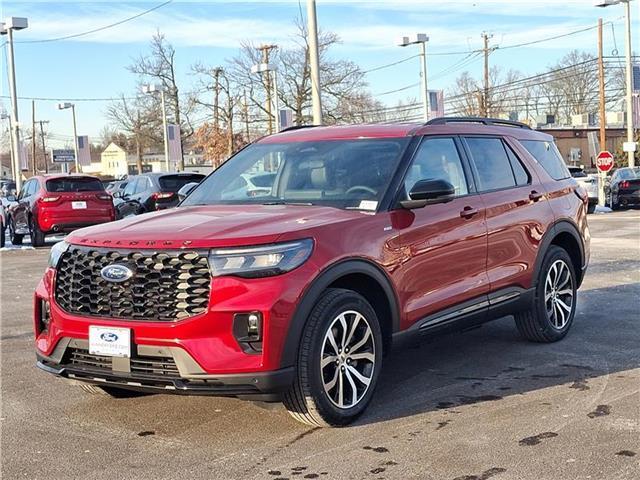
(547, 155)
(74, 185)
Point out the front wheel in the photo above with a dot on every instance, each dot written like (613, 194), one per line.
(554, 305)
(339, 360)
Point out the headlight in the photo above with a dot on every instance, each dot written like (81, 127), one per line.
(56, 252)
(262, 261)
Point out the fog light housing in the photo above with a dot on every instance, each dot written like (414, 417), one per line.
(45, 315)
(247, 328)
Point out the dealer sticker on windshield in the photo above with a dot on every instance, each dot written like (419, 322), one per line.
(368, 205)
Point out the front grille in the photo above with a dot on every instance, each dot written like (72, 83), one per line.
(165, 286)
(158, 367)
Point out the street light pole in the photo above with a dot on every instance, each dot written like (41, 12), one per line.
(150, 90)
(630, 139)
(9, 25)
(422, 39)
(314, 61)
(72, 106)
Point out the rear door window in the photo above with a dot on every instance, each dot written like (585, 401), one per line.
(521, 174)
(173, 183)
(67, 185)
(142, 185)
(491, 162)
(130, 188)
(547, 155)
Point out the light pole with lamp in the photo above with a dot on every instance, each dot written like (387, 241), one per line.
(421, 39)
(8, 26)
(152, 90)
(65, 106)
(267, 68)
(630, 146)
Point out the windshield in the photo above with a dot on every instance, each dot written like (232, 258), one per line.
(347, 174)
(629, 173)
(80, 184)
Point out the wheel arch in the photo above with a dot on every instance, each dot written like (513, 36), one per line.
(363, 277)
(565, 234)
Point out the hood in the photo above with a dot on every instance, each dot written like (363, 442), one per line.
(210, 226)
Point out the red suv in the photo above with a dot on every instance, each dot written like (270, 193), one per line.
(367, 234)
(58, 204)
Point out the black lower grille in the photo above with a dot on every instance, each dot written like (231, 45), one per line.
(157, 367)
(165, 285)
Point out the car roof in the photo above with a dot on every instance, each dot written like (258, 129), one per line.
(54, 176)
(440, 126)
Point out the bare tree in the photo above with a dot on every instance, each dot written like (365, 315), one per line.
(160, 67)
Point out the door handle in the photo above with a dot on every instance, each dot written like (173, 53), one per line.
(468, 212)
(535, 196)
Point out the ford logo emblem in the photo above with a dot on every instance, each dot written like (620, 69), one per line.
(116, 273)
(109, 337)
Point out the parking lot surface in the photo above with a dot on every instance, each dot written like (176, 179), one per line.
(474, 406)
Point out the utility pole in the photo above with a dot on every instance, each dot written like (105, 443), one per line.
(216, 98)
(630, 139)
(44, 148)
(229, 116)
(246, 117)
(33, 137)
(314, 60)
(485, 104)
(603, 114)
(266, 53)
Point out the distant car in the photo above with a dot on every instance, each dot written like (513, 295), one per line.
(152, 191)
(623, 189)
(589, 183)
(7, 187)
(116, 186)
(58, 204)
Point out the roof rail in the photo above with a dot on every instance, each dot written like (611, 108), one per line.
(483, 120)
(296, 127)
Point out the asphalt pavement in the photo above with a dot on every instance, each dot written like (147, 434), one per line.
(474, 406)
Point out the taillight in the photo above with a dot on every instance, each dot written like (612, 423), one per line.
(624, 184)
(49, 199)
(161, 195)
(104, 196)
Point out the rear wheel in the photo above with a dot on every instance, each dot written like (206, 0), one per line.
(37, 235)
(554, 306)
(16, 239)
(111, 391)
(339, 361)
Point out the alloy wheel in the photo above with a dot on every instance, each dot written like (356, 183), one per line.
(558, 294)
(347, 359)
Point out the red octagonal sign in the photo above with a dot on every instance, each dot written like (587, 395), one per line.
(604, 161)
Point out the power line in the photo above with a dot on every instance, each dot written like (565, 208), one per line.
(50, 99)
(396, 90)
(99, 29)
(375, 69)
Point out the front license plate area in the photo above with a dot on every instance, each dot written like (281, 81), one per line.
(110, 341)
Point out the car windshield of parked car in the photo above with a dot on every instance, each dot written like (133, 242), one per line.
(629, 173)
(78, 184)
(173, 183)
(347, 174)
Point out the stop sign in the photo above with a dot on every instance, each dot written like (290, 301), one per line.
(604, 161)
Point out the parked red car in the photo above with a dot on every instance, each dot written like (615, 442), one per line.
(367, 234)
(58, 204)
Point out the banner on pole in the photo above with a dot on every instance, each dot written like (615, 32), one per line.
(84, 151)
(175, 144)
(436, 103)
(23, 156)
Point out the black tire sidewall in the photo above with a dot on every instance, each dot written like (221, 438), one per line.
(346, 301)
(548, 329)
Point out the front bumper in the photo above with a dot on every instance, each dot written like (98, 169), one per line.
(159, 370)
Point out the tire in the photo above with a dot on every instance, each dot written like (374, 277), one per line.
(16, 239)
(547, 320)
(591, 208)
(37, 236)
(111, 391)
(311, 399)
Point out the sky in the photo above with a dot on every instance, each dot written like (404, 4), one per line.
(94, 65)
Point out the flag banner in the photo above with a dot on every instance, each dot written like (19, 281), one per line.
(23, 156)
(84, 151)
(286, 118)
(436, 103)
(635, 104)
(175, 144)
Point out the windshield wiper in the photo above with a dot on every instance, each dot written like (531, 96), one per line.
(282, 202)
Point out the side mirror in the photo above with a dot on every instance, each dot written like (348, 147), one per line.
(186, 190)
(429, 192)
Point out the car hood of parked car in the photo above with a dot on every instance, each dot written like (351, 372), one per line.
(212, 226)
